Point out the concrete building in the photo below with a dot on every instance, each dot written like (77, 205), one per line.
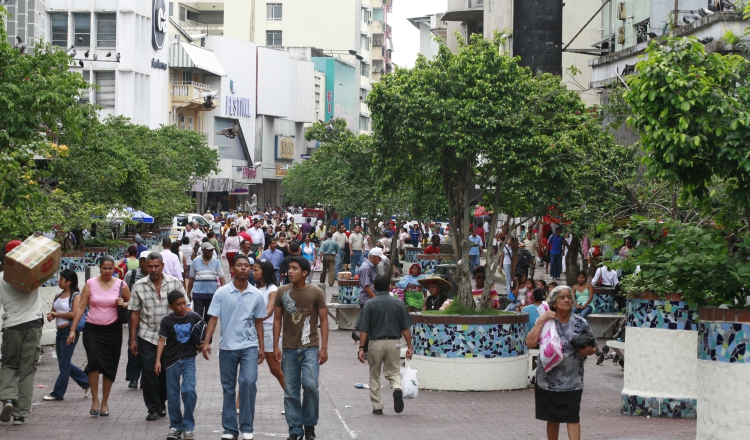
(486, 17)
(26, 19)
(430, 26)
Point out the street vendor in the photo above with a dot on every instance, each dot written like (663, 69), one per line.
(413, 291)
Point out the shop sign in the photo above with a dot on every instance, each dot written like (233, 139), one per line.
(249, 173)
(281, 170)
(159, 28)
(284, 148)
(156, 64)
(237, 106)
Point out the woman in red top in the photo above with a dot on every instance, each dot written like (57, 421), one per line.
(434, 248)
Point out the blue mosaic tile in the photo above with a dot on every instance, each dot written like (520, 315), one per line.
(724, 342)
(668, 315)
(349, 294)
(410, 254)
(469, 340)
(678, 408)
(640, 406)
(428, 266)
(603, 303)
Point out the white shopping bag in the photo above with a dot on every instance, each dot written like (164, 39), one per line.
(409, 383)
(550, 346)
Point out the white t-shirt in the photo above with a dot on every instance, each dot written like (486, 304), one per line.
(266, 291)
(507, 255)
(607, 277)
(187, 251)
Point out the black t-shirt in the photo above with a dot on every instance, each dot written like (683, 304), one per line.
(435, 303)
(177, 331)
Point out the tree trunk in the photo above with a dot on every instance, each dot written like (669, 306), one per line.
(571, 261)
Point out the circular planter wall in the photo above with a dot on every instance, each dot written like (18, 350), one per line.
(661, 378)
(723, 373)
(604, 300)
(470, 353)
(411, 252)
(430, 262)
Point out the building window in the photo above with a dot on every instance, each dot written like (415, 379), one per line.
(365, 69)
(273, 38)
(364, 123)
(377, 40)
(182, 13)
(273, 11)
(364, 42)
(187, 76)
(106, 30)
(362, 94)
(86, 93)
(190, 123)
(182, 122)
(59, 29)
(82, 29)
(365, 15)
(105, 95)
(171, 9)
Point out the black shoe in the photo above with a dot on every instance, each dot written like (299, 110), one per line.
(162, 412)
(133, 385)
(6, 411)
(294, 437)
(152, 416)
(377, 412)
(309, 433)
(17, 420)
(398, 400)
(174, 434)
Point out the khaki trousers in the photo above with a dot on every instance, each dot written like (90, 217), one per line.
(329, 263)
(383, 355)
(20, 354)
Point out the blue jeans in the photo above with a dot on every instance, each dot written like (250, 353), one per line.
(185, 368)
(473, 262)
(246, 360)
(512, 306)
(67, 369)
(508, 277)
(584, 311)
(339, 263)
(356, 261)
(301, 369)
(555, 265)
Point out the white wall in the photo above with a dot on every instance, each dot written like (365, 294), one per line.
(274, 73)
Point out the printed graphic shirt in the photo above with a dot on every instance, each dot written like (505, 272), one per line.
(300, 316)
(177, 332)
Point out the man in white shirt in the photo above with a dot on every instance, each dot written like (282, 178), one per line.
(243, 221)
(172, 264)
(356, 240)
(605, 276)
(195, 234)
(257, 236)
(209, 218)
(341, 239)
(185, 232)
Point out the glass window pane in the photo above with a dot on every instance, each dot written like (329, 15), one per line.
(82, 29)
(105, 95)
(106, 30)
(59, 29)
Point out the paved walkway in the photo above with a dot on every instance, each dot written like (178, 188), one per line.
(345, 412)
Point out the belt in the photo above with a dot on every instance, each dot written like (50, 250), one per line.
(385, 339)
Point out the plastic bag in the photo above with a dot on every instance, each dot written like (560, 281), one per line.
(409, 383)
(550, 347)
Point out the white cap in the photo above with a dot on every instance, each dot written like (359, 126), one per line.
(144, 254)
(376, 252)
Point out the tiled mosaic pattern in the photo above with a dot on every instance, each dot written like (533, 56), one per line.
(349, 294)
(669, 315)
(468, 341)
(724, 342)
(659, 407)
(410, 254)
(428, 266)
(603, 303)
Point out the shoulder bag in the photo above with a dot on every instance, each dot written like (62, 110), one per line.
(123, 317)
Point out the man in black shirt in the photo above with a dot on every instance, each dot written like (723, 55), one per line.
(294, 250)
(383, 321)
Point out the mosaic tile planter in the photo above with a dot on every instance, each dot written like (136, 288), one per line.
(411, 252)
(604, 300)
(348, 291)
(470, 352)
(723, 373)
(661, 378)
(429, 263)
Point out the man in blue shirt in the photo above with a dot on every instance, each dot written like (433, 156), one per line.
(242, 310)
(475, 250)
(274, 256)
(206, 274)
(556, 243)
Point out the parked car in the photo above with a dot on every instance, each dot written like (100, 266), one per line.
(180, 220)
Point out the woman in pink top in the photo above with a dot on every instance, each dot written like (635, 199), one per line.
(102, 333)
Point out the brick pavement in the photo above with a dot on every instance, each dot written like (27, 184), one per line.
(345, 412)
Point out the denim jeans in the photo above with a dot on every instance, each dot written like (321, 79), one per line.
(584, 311)
(339, 263)
(246, 360)
(555, 265)
(201, 306)
(185, 368)
(512, 306)
(67, 369)
(473, 262)
(508, 277)
(356, 261)
(301, 369)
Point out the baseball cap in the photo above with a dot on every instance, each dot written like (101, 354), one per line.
(12, 245)
(376, 252)
(144, 254)
(207, 246)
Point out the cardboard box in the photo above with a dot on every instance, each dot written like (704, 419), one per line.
(33, 262)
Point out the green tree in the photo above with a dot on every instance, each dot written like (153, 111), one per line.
(39, 100)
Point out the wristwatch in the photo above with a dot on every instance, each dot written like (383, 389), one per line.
(361, 347)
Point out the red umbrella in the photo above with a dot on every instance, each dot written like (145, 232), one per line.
(479, 211)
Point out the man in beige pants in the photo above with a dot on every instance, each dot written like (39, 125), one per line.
(381, 324)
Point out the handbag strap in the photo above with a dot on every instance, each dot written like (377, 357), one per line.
(121, 283)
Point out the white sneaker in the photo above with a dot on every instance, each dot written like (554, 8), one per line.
(228, 437)
(247, 436)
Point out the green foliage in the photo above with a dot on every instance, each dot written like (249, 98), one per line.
(704, 265)
(692, 111)
(457, 308)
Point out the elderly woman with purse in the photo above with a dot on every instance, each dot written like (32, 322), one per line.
(558, 391)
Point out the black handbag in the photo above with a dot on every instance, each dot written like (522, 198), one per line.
(123, 316)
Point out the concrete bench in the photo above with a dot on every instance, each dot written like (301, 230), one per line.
(604, 324)
(618, 347)
(345, 315)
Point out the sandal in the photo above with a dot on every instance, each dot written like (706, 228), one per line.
(49, 397)
(94, 412)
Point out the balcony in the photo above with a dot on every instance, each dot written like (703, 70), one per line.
(190, 94)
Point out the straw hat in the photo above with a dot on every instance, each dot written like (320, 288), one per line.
(445, 286)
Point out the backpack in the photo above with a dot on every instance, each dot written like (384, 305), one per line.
(524, 258)
(82, 322)
(121, 269)
(198, 333)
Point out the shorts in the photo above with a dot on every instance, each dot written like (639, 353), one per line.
(268, 337)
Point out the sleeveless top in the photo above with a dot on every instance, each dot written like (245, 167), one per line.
(103, 303)
(582, 297)
(266, 291)
(62, 305)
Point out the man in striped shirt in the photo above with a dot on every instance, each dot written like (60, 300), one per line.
(206, 275)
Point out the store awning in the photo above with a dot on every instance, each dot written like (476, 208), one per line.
(213, 185)
(182, 54)
(464, 15)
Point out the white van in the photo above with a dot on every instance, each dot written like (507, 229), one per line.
(180, 220)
